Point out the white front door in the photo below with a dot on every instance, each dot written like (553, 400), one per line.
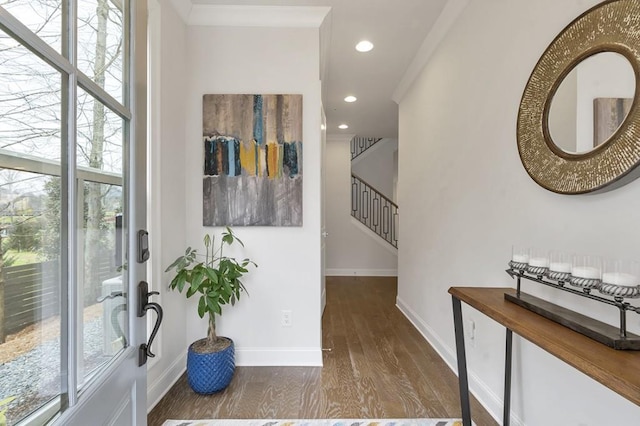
(72, 203)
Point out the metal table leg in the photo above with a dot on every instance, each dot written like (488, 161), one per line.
(463, 382)
(506, 414)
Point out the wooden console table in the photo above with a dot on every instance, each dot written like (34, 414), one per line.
(617, 370)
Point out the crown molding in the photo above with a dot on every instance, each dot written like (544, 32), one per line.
(256, 16)
(449, 15)
(182, 8)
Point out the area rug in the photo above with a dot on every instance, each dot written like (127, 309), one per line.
(320, 422)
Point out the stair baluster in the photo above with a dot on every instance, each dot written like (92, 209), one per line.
(374, 210)
(360, 144)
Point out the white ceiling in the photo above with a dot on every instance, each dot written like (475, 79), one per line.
(397, 28)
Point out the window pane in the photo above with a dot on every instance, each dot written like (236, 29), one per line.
(43, 17)
(100, 43)
(30, 357)
(99, 158)
(99, 136)
(30, 287)
(105, 314)
(29, 102)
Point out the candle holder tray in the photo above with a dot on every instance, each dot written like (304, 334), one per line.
(615, 337)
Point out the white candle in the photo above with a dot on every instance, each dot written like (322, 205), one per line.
(560, 267)
(539, 262)
(585, 272)
(620, 278)
(520, 258)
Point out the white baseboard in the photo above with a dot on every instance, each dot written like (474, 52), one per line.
(489, 400)
(267, 357)
(361, 272)
(157, 389)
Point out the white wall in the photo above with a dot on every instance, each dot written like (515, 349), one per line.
(261, 60)
(377, 166)
(351, 250)
(186, 63)
(466, 199)
(167, 223)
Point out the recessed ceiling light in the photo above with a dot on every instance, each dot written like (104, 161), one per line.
(343, 126)
(350, 98)
(323, 127)
(364, 46)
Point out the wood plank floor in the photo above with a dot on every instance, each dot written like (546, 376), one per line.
(379, 366)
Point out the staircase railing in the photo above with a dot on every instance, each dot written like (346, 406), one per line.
(360, 145)
(374, 210)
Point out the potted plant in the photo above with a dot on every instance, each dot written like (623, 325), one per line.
(210, 361)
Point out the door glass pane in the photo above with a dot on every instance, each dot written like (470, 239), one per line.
(100, 133)
(43, 17)
(100, 43)
(29, 103)
(102, 290)
(30, 356)
(105, 313)
(30, 288)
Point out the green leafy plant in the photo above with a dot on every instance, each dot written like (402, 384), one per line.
(3, 409)
(216, 278)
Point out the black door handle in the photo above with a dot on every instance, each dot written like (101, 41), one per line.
(144, 305)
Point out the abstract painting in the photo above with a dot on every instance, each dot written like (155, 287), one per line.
(608, 115)
(252, 160)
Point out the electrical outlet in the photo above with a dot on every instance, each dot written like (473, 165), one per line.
(287, 319)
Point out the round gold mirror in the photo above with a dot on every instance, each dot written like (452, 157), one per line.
(579, 118)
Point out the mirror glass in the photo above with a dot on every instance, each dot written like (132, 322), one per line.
(591, 102)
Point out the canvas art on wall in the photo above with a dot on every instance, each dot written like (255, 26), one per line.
(252, 160)
(608, 115)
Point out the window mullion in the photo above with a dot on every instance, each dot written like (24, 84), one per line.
(27, 163)
(99, 93)
(27, 38)
(69, 259)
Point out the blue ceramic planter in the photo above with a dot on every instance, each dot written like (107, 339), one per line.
(210, 372)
